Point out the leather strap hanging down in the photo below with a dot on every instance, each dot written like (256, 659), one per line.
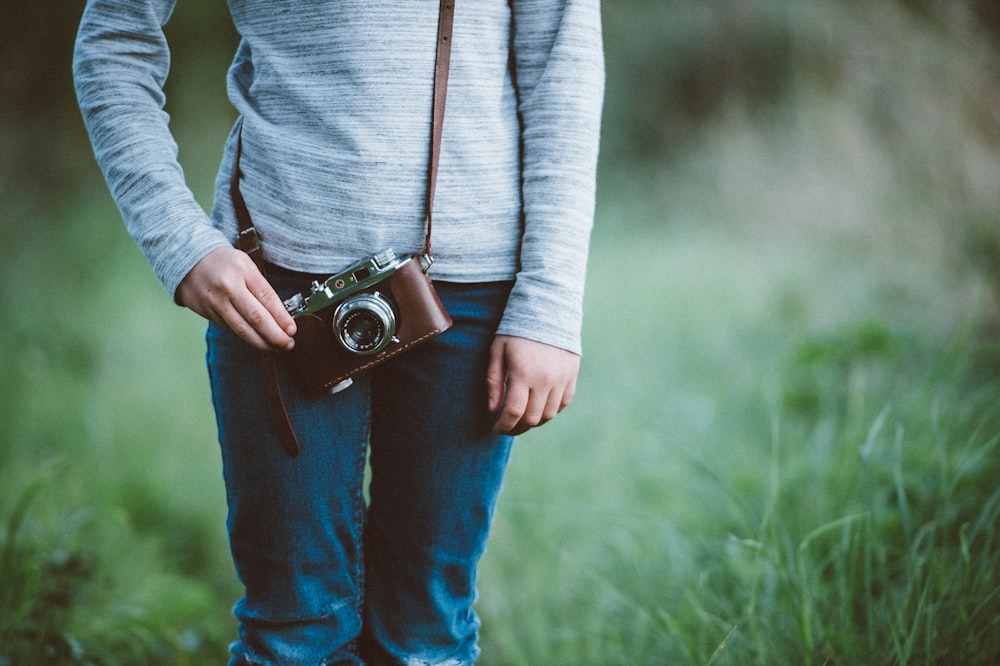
(442, 66)
(249, 241)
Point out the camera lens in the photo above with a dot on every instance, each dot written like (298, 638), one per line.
(363, 329)
(365, 323)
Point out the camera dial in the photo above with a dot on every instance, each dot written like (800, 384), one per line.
(365, 324)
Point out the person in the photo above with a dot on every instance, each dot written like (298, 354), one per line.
(334, 106)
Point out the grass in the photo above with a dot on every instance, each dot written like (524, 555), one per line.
(783, 449)
(740, 494)
(761, 467)
(113, 551)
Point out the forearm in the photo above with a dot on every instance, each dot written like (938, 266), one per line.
(559, 70)
(120, 63)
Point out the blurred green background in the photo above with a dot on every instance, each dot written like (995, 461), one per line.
(784, 445)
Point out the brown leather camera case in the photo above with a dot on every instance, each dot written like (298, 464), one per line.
(318, 360)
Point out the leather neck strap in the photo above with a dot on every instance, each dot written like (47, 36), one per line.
(442, 65)
(249, 242)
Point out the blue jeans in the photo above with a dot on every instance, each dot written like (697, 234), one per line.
(329, 578)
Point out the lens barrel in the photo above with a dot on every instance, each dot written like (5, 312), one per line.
(364, 323)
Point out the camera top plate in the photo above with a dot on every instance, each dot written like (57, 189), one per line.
(337, 287)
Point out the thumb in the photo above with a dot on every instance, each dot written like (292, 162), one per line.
(496, 375)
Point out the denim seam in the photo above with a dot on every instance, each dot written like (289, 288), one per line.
(359, 507)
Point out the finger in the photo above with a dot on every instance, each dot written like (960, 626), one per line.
(567, 396)
(553, 405)
(534, 412)
(230, 316)
(517, 396)
(258, 325)
(542, 406)
(268, 297)
(495, 377)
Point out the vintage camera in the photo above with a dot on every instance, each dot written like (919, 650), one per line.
(361, 317)
(364, 321)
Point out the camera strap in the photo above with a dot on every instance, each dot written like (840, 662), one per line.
(446, 19)
(249, 241)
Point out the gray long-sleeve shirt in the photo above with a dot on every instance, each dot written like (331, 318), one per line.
(335, 98)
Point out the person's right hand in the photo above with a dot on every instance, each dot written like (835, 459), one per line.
(227, 288)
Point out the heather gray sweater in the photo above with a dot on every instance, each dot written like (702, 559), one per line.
(335, 98)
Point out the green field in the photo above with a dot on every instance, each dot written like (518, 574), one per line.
(783, 450)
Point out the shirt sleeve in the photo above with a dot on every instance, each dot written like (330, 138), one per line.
(559, 74)
(120, 63)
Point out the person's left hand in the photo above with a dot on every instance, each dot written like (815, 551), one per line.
(531, 382)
